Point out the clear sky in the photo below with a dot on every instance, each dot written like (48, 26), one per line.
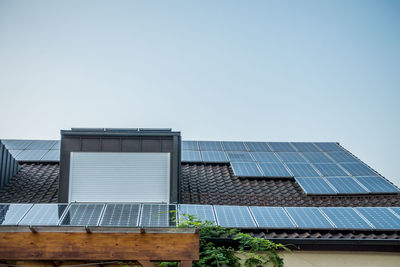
(216, 70)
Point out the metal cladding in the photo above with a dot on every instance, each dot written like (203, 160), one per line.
(8, 165)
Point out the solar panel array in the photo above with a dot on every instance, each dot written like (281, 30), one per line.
(34, 150)
(164, 215)
(319, 168)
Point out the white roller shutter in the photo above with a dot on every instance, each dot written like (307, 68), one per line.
(119, 177)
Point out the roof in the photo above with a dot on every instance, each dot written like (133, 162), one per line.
(200, 184)
(216, 184)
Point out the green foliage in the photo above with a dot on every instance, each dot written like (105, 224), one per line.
(214, 253)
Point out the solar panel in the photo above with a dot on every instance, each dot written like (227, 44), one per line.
(11, 214)
(214, 156)
(16, 144)
(342, 157)
(274, 170)
(246, 169)
(234, 216)
(191, 156)
(82, 215)
(315, 186)
(265, 157)
(271, 217)
(291, 157)
(345, 218)
(57, 145)
(121, 215)
(31, 155)
(190, 145)
(44, 214)
(396, 210)
(302, 170)
(346, 185)
(210, 145)
(358, 169)
(41, 144)
(305, 147)
(330, 169)
(258, 146)
(376, 184)
(328, 146)
(317, 157)
(239, 156)
(15, 153)
(158, 215)
(51, 155)
(282, 147)
(234, 146)
(381, 218)
(202, 212)
(309, 218)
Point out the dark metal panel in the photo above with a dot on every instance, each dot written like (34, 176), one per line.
(68, 145)
(167, 145)
(151, 144)
(111, 145)
(1, 165)
(91, 144)
(131, 144)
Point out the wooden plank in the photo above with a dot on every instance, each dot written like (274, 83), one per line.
(186, 264)
(146, 263)
(99, 246)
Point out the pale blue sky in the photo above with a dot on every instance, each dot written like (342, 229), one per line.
(216, 70)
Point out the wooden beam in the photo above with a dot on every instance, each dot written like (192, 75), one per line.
(146, 263)
(99, 246)
(186, 264)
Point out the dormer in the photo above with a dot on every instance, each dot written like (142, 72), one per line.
(119, 165)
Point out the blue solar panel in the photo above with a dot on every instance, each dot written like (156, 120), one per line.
(121, 215)
(381, 218)
(31, 155)
(234, 146)
(258, 146)
(309, 218)
(346, 185)
(210, 145)
(329, 146)
(315, 186)
(305, 147)
(51, 155)
(82, 215)
(274, 170)
(302, 170)
(234, 216)
(328, 169)
(191, 156)
(291, 157)
(11, 214)
(376, 184)
(265, 157)
(214, 156)
(44, 214)
(190, 145)
(202, 212)
(345, 218)
(57, 146)
(358, 169)
(317, 157)
(282, 147)
(41, 144)
(342, 157)
(271, 217)
(15, 153)
(396, 210)
(246, 169)
(16, 144)
(157, 215)
(239, 156)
